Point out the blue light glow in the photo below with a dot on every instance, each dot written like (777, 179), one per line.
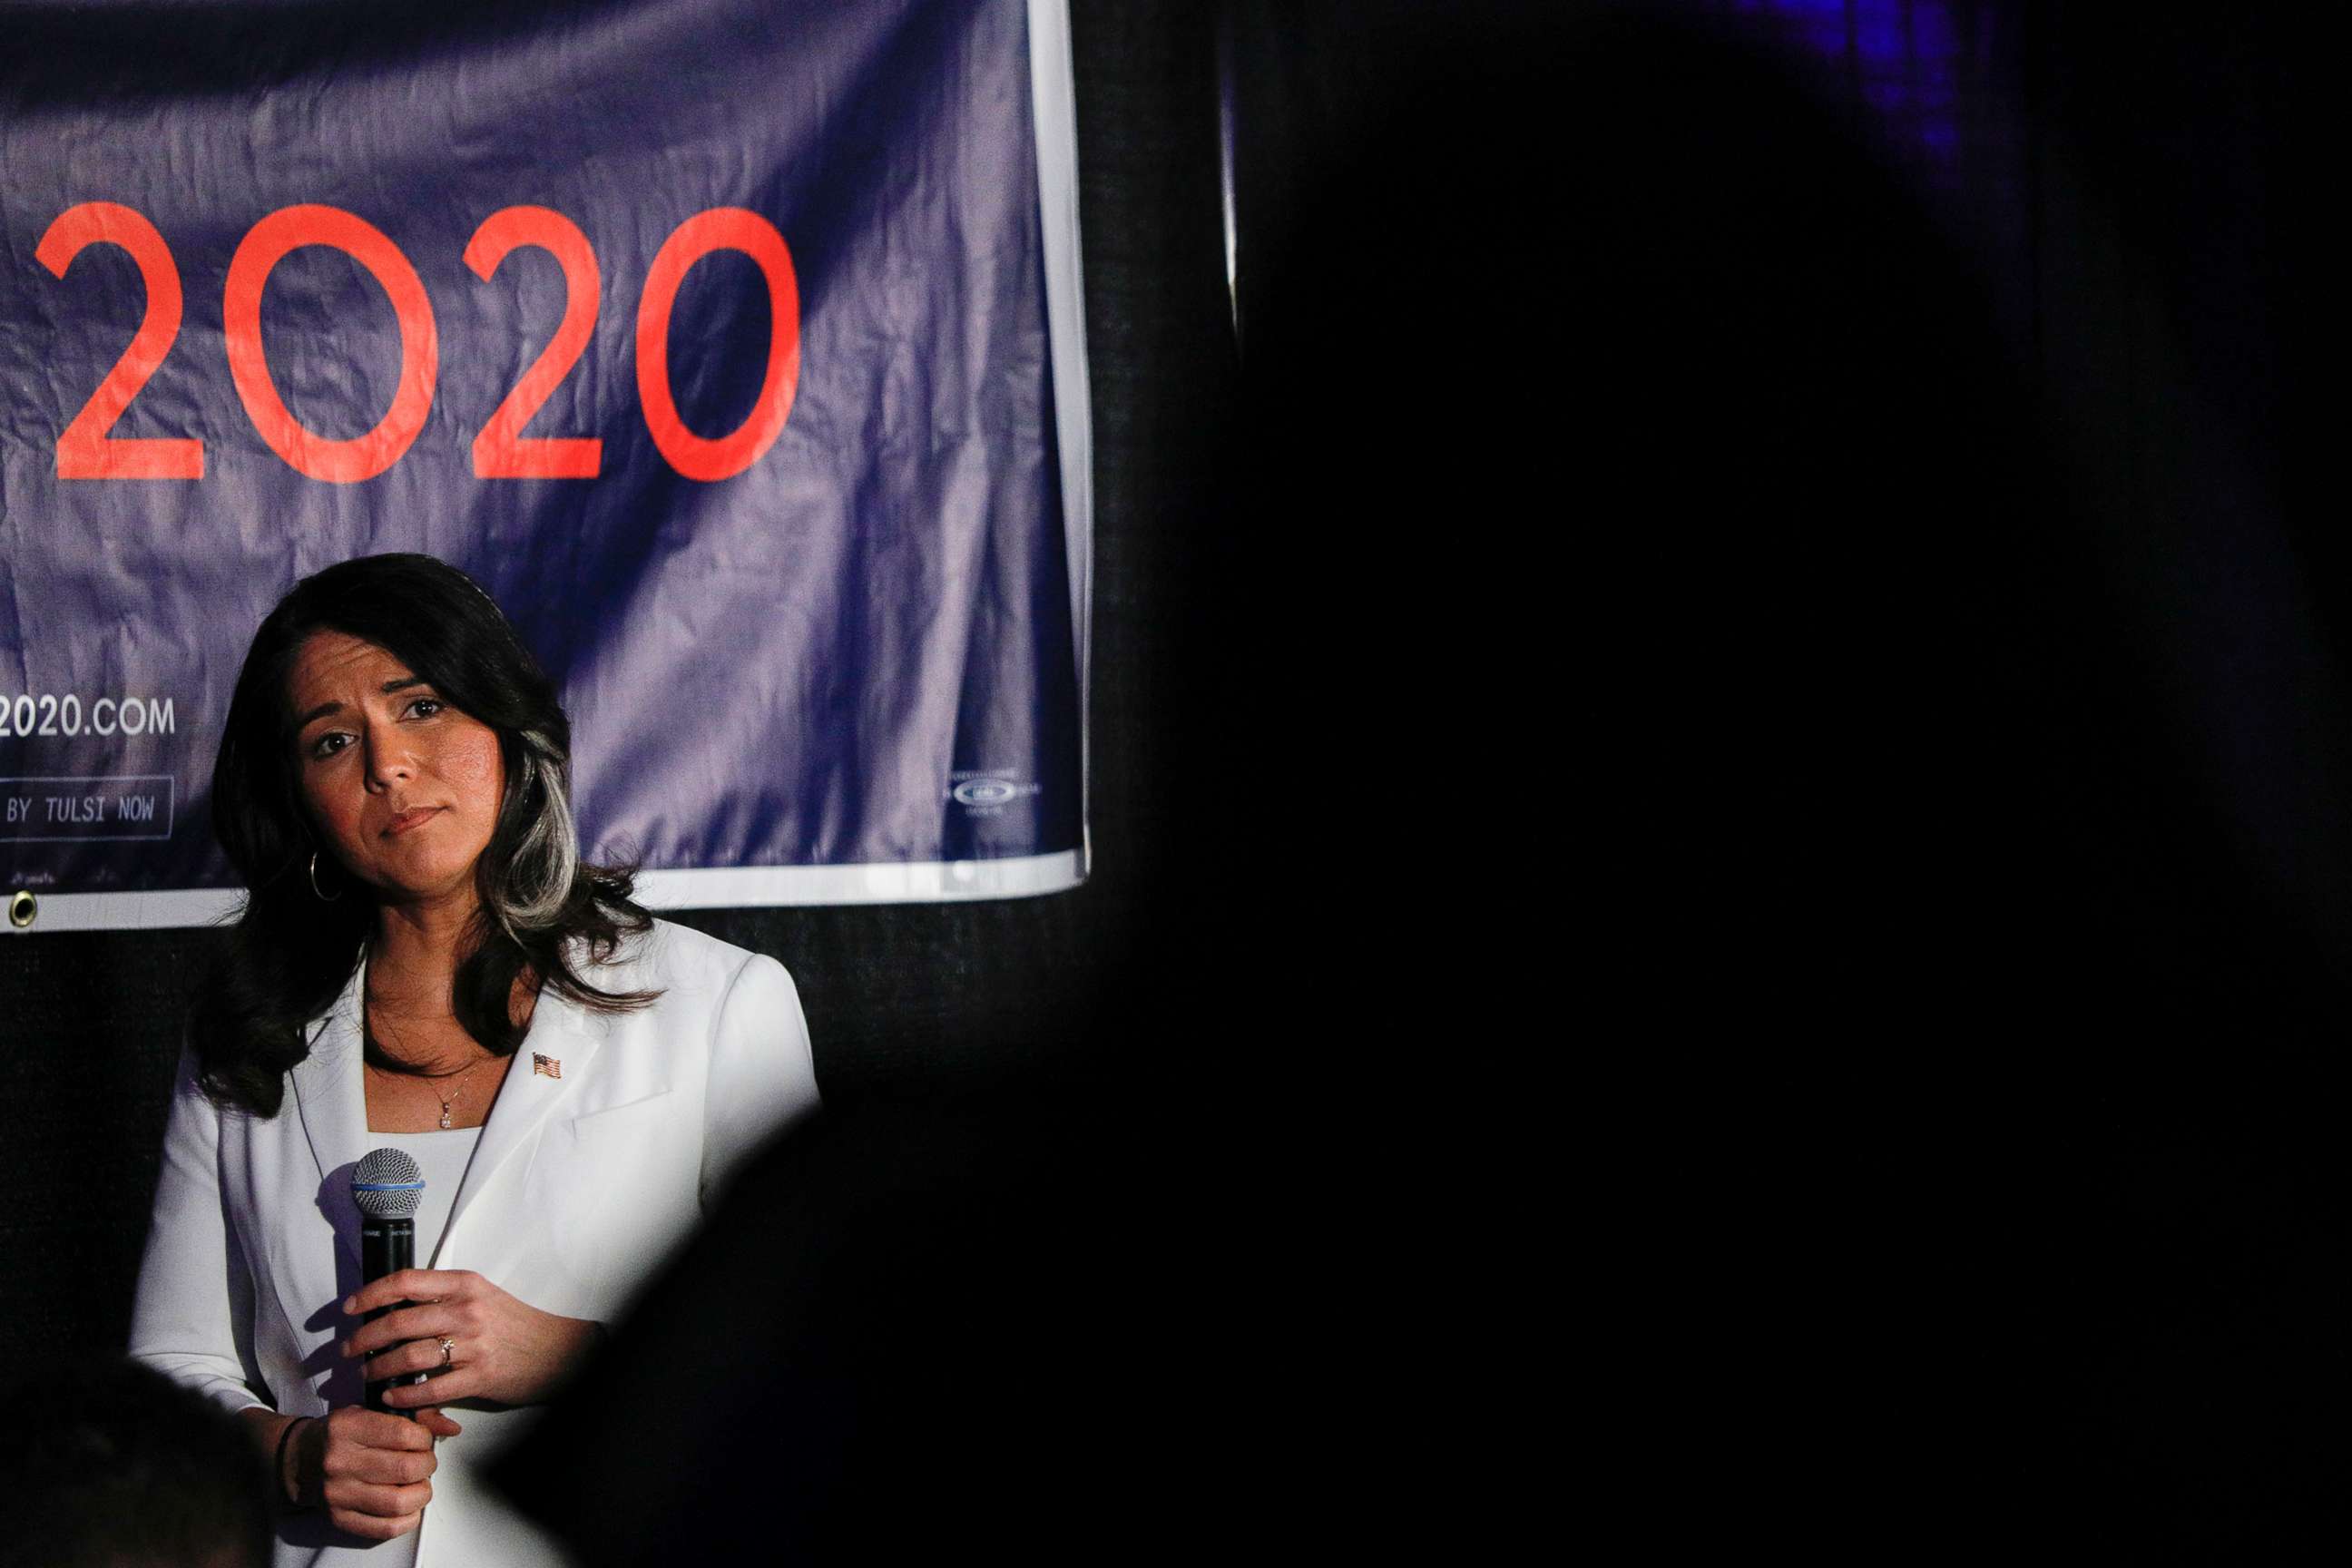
(1903, 58)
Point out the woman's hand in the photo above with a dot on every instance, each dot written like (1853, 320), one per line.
(371, 1472)
(500, 1349)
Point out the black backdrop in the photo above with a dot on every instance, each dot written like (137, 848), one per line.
(1703, 707)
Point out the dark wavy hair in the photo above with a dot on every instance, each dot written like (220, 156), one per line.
(291, 953)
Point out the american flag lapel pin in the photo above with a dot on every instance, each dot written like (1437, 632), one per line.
(546, 1066)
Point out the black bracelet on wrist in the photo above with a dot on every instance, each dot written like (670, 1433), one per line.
(292, 1494)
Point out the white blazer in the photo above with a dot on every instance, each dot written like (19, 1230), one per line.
(580, 1186)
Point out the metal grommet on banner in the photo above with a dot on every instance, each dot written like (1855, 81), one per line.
(22, 909)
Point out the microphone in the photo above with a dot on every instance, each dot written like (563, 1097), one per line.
(387, 1187)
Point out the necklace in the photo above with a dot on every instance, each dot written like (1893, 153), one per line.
(378, 1057)
(375, 1048)
(449, 1099)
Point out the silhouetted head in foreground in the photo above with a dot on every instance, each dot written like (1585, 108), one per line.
(119, 1466)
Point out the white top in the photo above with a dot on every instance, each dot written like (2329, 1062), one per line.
(443, 1157)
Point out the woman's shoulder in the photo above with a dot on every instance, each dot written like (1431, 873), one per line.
(674, 959)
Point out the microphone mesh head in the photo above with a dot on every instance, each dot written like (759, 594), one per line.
(388, 1184)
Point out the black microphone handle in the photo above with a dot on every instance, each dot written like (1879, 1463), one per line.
(387, 1246)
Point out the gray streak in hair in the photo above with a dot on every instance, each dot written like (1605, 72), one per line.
(536, 882)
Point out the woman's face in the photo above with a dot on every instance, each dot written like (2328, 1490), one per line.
(404, 788)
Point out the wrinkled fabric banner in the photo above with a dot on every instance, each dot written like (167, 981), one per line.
(730, 344)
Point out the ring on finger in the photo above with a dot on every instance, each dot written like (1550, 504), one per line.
(448, 1349)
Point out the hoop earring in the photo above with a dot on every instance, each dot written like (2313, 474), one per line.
(324, 898)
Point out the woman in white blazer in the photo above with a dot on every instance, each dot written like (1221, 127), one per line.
(424, 963)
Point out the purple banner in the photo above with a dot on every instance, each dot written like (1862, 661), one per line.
(731, 344)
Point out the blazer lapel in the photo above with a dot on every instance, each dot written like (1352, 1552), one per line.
(327, 1083)
(562, 1034)
(309, 1278)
